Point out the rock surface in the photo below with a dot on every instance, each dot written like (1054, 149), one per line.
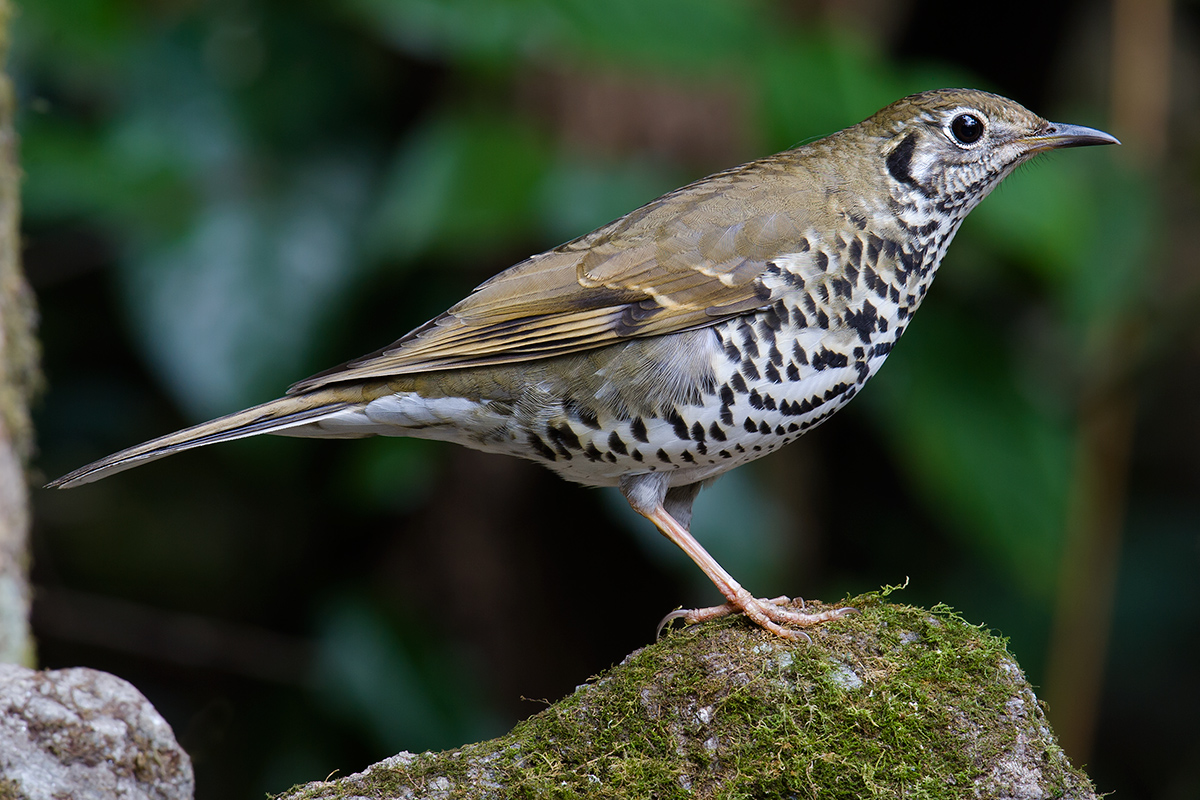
(895, 702)
(86, 735)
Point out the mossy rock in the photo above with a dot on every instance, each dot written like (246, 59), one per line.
(894, 702)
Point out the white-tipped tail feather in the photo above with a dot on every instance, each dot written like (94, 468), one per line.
(276, 416)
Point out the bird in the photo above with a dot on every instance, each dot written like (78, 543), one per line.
(699, 332)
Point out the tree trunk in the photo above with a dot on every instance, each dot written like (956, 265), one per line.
(19, 379)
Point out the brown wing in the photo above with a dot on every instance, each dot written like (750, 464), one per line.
(687, 259)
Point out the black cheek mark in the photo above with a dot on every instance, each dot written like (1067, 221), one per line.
(899, 161)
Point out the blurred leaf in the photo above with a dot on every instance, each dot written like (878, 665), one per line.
(976, 448)
(1120, 263)
(230, 313)
(371, 678)
(683, 33)
(390, 474)
(577, 195)
(814, 83)
(1044, 217)
(460, 183)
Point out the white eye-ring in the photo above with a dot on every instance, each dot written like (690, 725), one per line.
(966, 128)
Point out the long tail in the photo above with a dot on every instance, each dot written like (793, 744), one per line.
(276, 416)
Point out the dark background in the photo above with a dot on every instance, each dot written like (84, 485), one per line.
(224, 197)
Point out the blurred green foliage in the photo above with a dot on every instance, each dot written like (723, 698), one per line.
(277, 186)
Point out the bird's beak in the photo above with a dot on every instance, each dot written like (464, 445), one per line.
(1057, 135)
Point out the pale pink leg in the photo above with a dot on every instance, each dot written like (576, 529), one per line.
(769, 614)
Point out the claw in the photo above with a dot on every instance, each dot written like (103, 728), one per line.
(768, 614)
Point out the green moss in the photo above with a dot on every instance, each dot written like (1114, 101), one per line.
(896, 701)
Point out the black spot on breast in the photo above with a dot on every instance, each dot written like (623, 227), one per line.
(593, 453)
(563, 439)
(582, 413)
(749, 342)
(541, 448)
(793, 372)
(783, 312)
(773, 374)
(738, 383)
(764, 428)
(750, 426)
(688, 457)
(874, 243)
(662, 456)
(698, 432)
(827, 358)
(798, 354)
(677, 423)
(864, 322)
(716, 432)
(637, 454)
(638, 429)
(756, 399)
(835, 390)
(616, 444)
(822, 261)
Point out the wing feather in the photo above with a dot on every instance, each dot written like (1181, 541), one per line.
(686, 260)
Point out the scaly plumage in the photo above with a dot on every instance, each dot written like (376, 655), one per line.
(701, 331)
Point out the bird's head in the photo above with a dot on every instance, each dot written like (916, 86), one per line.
(952, 146)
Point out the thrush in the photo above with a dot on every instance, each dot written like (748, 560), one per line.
(699, 332)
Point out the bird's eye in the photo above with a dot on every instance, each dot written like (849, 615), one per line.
(966, 128)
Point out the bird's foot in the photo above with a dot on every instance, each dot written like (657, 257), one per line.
(771, 615)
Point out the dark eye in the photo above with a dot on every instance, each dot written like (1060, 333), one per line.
(967, 128)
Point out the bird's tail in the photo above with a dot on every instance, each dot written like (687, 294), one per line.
(277, 416)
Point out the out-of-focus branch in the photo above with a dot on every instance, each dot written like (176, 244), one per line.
(1141, 62)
